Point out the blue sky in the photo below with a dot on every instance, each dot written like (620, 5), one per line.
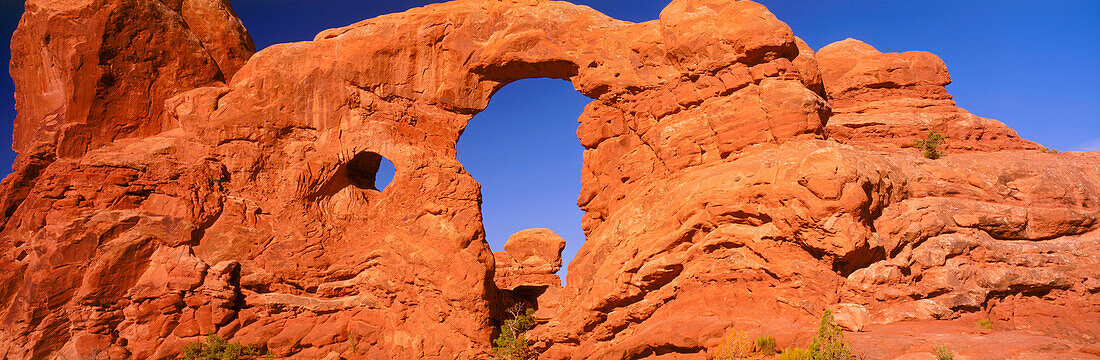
(1033, 65)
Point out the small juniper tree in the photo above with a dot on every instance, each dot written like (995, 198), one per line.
(829, 344)
(930, 144)
(511, 344)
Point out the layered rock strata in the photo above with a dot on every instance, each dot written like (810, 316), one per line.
(531, 258)
(235, 194)
(885, 100)
(526, 271)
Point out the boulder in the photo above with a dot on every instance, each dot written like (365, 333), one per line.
(531, 258)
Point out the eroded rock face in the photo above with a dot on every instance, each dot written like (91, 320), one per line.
(87, 72)
(887, 100)
(526, 271)
(91, 71)
(531, 257)
(717, 191)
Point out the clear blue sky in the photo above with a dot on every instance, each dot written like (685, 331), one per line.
(1033, 65)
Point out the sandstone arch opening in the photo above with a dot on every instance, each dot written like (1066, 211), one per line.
(353, 183)
(385, 174)
(365, 170)
(524, 151)
(369, 171)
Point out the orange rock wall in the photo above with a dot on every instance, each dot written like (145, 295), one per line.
(886, 100)
(238, 197)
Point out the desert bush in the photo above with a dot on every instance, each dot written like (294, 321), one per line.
(511, 344)
(734, 345)
(1050, 151)
(829, 344)
(985, 324)
(217, 348)
(943, 353)
(795, 354)
(765, 345)
(930, 144)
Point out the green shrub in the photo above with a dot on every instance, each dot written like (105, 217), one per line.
(829, 344)
(930, 144)
(510, 344)
(1050, 151)
(216, 348)
(766, 345)
(985, 324)
(943, 353)
(795, 354)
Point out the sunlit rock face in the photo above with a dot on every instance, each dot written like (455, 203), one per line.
(886, 100)
(180, 185)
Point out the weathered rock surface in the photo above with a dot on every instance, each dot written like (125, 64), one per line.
(91, 71)
(717, 190)
(886, 100)
(87, 72)
(531, 258)
(526, 271)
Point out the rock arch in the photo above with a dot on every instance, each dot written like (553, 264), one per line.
(707, 180)
(405, 85)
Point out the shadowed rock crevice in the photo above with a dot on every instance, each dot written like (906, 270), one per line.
(513, 70)
(362, 170)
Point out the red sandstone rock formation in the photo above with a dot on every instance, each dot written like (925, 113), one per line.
(92, 71)
(888, 100)
(717, 190)
(526, 271)
(531, 257)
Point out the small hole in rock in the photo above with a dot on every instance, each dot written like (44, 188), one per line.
(386, 172)
(370, 171)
